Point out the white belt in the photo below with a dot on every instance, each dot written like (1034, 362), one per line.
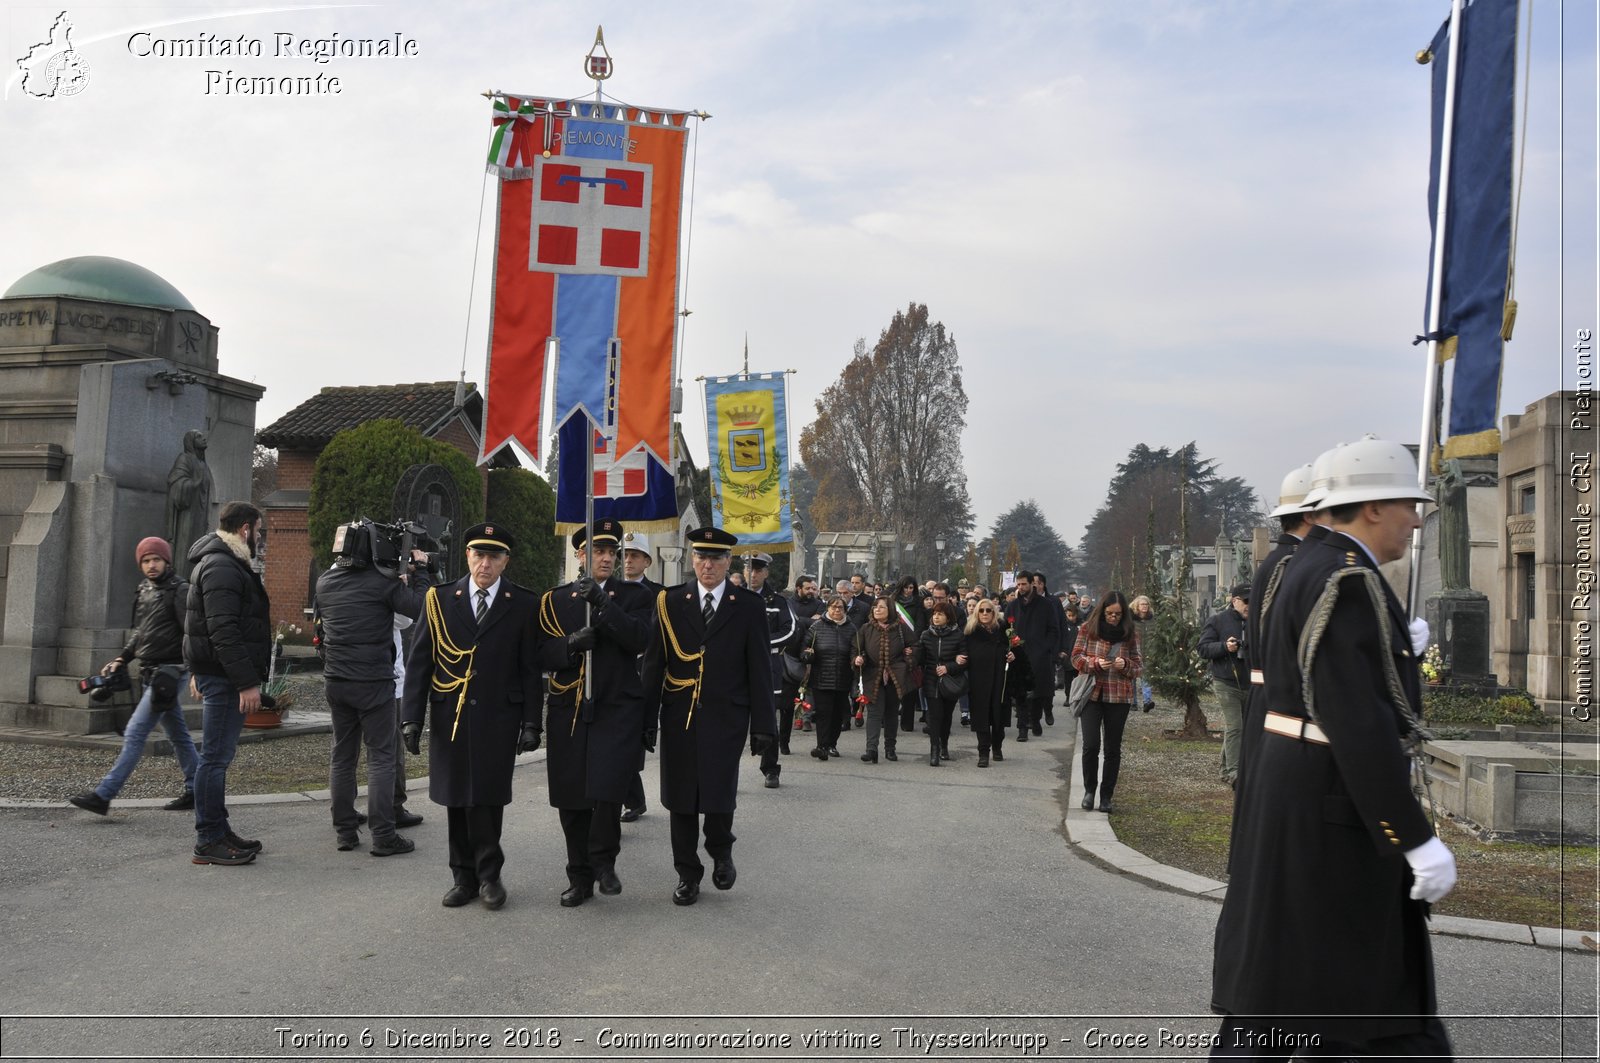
(1258, 677)
(1295, 727)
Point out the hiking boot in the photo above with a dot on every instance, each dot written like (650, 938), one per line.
(184, 803)
(404, 817)
(220, 852)
(348, 840)
(90, 801)
(392, 846)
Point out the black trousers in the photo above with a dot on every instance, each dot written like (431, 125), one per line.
(828, 709)
(1254, 1039)
(785, 724)
(939, 713)
(475, 853)
(594, 838)
(686, 841)
(910, 708)
(1113, 718)
(635, 798)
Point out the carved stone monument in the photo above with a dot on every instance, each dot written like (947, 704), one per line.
(1458, 615)
(104, 366)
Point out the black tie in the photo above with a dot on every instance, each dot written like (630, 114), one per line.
(711, 606)
(483, 605)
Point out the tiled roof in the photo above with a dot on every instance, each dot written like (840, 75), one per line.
(330, 411)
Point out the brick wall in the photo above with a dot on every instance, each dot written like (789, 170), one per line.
(288, 564)
(295, 468)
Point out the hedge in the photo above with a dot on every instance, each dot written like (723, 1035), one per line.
(523, 502)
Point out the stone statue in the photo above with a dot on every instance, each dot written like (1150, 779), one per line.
(1455, 544)
(188, 498)
(1169, 578)
(1243, 569)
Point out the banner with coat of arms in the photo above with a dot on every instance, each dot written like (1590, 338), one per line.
(586, 273)
(748, 440)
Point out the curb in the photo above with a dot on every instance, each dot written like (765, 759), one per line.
(1093, 833)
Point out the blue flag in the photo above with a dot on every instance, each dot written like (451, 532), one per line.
(634, 488)
(1477, 238)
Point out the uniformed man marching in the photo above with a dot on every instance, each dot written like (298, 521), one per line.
(708, 680)
(637, 557)
(474, 672)
(1321, 940)
(591, 634)
(780, 636)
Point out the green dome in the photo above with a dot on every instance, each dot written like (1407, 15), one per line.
(102, 279)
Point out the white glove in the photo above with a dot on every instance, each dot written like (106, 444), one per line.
(1433, 869)
(1419, 634)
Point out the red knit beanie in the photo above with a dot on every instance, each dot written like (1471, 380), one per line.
(152, 545)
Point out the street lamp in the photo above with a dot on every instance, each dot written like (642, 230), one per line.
(938, 559)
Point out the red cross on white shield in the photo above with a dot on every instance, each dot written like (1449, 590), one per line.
(590, 216)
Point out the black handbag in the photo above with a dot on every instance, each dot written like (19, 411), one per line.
(794, 670)
(953, 686)
(163, 682)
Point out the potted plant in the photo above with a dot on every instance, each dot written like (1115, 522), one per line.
(276, 688)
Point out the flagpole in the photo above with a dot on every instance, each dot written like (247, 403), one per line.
(1430, 384)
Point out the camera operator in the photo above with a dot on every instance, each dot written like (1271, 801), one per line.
(156, 641)
(357, 601)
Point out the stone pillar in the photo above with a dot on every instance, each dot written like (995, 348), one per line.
(35, 605)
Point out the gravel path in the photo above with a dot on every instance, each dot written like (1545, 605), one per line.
(271, 766)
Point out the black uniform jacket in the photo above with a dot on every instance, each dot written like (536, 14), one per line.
(710, 686)
(473, 726)
(1317, 919)
(593, 748)
(1263, 594)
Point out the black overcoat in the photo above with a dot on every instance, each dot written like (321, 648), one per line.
(986, 662)
(594, 748)
(1038, 621)
(1317, 920)
(706, 706)
(473, 766)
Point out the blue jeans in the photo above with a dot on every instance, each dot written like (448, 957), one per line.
(133, 738)
(219, 739)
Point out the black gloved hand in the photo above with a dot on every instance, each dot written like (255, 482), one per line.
(649, 741)
(759, 744)
(591, 592)
(530, 739)
(580, 640)
(411, 735)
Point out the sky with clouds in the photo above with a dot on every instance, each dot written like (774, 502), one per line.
(1142, 221)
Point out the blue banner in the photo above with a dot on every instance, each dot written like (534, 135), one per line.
(1477, 238)
(636, 489)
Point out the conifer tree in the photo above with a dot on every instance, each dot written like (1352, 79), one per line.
(1172, 664)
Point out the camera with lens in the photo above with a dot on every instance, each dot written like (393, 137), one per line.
(366, 542)
(101, 687)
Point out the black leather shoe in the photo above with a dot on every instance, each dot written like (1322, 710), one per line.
(1088, 800)
(998, 756)
(983, 758)
(870, 756)
(723, 873)
(184, 803)
(820, 753)
(458, 895)
(494, 895)
(403, 818)
(772, 782)
(1022, 735)
(573, 896)
(1105, 804)
(608, 881)
(91, 802)
(833, 751)
(1049, 717)
(889, 754)
(686, 893)
(631, 814)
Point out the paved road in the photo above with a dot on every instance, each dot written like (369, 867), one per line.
(869, 898)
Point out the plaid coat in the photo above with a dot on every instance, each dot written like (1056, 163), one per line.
(1112, 687)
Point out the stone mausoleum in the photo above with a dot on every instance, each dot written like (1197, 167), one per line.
(109, 395)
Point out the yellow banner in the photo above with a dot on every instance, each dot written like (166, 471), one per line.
(749, 488)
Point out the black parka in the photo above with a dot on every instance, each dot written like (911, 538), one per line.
(228, 625)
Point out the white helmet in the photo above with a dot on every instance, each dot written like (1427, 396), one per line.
(1372, 470)
(638, 541)
(1292, 495)
(1319, 478)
